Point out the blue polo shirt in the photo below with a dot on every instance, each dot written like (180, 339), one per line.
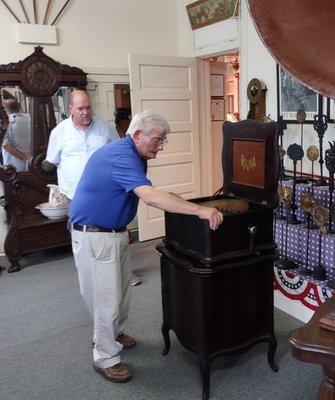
(104, 195)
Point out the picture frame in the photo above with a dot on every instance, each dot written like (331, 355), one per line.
(217, 110)
(216, 85)
(205, 12)
(330, 110)
(293, 95)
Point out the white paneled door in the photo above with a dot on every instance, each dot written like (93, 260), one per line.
(168, 85)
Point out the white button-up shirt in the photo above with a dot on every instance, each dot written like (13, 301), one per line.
(70, 148)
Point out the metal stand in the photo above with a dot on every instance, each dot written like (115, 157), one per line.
(321, 125)
(284, 263)
(307, 271)
(281, 128)
(319, 272)
(293, 217)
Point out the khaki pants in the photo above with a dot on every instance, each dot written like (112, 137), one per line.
(103, 265)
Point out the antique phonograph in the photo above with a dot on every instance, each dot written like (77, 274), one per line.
(296, 46)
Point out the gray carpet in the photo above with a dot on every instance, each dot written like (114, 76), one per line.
(46, 332)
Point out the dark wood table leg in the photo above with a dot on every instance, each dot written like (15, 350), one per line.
(313, 344)
(166, 336)
(271, 354)
(205, 376)
(327, 388)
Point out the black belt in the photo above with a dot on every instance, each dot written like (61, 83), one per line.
(90, 228)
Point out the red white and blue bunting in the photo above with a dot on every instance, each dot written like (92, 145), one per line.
(296, 288)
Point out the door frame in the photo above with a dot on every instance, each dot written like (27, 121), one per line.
(206, 143)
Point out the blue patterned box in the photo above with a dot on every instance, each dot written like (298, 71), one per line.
(313, 252)
(293, 242)
(279, 235)
(292, 232)
(328, 254)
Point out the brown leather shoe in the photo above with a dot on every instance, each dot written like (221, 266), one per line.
(127, 341)
(117, 373)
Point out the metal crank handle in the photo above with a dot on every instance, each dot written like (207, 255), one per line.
(253, 231)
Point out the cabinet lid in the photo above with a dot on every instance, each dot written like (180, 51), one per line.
(250, 161)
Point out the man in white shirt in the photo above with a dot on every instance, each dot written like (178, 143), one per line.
(74, 140)
(16, 142)
(72, 143)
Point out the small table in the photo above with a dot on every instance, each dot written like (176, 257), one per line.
(316, 345)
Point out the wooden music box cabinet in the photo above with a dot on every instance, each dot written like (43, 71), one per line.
(217, 286)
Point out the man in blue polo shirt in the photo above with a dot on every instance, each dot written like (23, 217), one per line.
(105, 202)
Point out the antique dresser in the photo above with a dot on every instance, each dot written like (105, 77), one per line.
(38, 81)
(217, 286)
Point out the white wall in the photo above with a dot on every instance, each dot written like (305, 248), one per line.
(255, 62)
(101, 32)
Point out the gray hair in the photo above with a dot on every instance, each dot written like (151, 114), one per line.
(147, 121)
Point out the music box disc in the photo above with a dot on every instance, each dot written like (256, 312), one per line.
(332, 211)
(307, 202)
(312, 153)
(286, 195)
(320, 216)
(295, 152)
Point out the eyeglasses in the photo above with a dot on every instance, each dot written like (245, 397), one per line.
(155, 141)
(158, 141)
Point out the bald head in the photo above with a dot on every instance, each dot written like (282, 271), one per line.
(80, 109)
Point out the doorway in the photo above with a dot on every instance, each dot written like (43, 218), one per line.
(220, 77)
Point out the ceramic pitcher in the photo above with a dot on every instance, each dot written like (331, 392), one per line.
(56, 198)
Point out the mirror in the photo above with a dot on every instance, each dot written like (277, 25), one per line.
(15, 122)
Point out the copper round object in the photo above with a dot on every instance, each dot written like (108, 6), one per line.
(299, 34)
(312, 153)
(285, 194)
(307, 202)
(320, 216)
